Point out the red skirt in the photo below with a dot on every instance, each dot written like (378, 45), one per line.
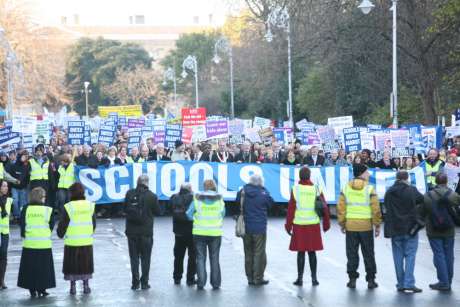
(306, 238)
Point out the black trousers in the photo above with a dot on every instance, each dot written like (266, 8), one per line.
(140, 248)
(365, 239)
(181, 245)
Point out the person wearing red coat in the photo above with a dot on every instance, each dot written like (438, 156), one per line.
(306, 238)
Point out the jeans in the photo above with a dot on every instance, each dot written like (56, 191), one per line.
(181, 245)
(365, 239)
(202, 243)
(255, 257)
(4, 239)
(443, 259)
(404, 250)
(63, 197)
(140, 247)
(19, 200)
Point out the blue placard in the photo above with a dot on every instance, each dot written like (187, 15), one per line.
(106, 135)
(76, 132)
(352, 139)
(173, 133)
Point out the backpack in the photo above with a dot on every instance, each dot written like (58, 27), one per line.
(135, 208)
(441, 218)
(179, 207)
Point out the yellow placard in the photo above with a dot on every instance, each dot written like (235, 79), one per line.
(131, 110)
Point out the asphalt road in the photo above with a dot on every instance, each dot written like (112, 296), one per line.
(111, 282)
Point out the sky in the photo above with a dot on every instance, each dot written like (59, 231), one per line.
(117, 12)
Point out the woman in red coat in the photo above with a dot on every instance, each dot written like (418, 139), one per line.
(306, 238)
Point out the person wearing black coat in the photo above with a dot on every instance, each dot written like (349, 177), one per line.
(182, 228)
(140, 207)
(20, 171)
(246, 155)
(401, 221)
(314, 159)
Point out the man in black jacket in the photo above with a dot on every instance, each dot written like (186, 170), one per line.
(141, 206)
(182, 228)
(401, 201)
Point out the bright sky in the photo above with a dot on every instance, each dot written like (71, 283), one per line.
(117, 12)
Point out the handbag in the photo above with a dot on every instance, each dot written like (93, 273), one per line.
(240, 228)
(318, 204)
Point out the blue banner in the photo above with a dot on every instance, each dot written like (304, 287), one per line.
(109, 185)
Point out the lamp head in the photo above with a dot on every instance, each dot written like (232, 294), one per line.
(366, 6)
(216, 59)
(184, 74)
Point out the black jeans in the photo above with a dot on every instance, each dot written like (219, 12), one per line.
(365, 239)
(4, 246)
(202, 244)
(181, 245)
(140, 247)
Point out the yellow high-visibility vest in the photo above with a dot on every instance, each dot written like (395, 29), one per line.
(358, 204)
(305, 197)
(207, 219)
(80, 230)
(432, 169)
(66, 176)
(38, 172)
(38, 232)
(5, 221)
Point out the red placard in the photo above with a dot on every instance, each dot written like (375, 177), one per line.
(187, 135)
(193, 117)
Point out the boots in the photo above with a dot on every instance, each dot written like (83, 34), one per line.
(313, 268)
(86, 288)
(73, 288)
(300, 269)
(352, 283)
(2, 274)
(371, 284)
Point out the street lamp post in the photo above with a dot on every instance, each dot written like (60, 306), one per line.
(224, 45)
(87, 91)
(280, 18)
(191, 63)
(170, 75)
(366, 6)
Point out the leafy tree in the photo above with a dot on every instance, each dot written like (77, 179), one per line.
(97, 61)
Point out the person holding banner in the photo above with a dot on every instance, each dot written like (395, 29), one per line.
(358, 213)
(207, 211)
(303, 224)
(36, 270)
(433, 166)
(5, 212)
(76, 226)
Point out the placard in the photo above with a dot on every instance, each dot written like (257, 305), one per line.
(130, 110)
(193, 116)
(173, 133)
(76, 132)
(216, 129)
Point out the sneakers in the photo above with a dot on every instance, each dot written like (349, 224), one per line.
(412, 290)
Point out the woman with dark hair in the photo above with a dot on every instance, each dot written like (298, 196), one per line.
(77, 226)
(36, 270)
(302, 224)
(291, 158)
(5, 211)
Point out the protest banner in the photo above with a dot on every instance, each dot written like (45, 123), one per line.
(236, 139)
(236, 127)
(313, 139)
(76, 132)
(261, 123)
(109, 185)
(352, 139)
(326, 134)
(9, 140)
(252, 134)
(173, 133)
(382, 140)
(134, 138)
(136, 122)
(339, 123)
(452, 132)
(198, 133)
(27, 141)
(147, 133)
(283, 135)
(216, 129)
(302, 124)
(113, 116)
(400, 152)
(193, 116)
(367, 140)
(106, 134)
(129, 111)
(87, 139)
(428, 137)
(187, 133)
(159, 137)
(24, 124)
(399, 138)
(43, 131)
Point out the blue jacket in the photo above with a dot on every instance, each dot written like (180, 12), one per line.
(256, 203)
(208, 197)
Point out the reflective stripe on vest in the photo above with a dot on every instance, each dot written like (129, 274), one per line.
(358, 204)
(38, 172)
(38, 232)
(2, 170)
(5, 222)
(305, 197)
(66, 176)
(80, 230)
(432, 169)
(207, 220)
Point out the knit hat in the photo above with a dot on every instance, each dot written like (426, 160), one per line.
(359, 169)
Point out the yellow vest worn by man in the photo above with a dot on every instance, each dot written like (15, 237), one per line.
(66, 176)
(37, 171)
(358, 202)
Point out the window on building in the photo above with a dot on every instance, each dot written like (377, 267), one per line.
(196, 19)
